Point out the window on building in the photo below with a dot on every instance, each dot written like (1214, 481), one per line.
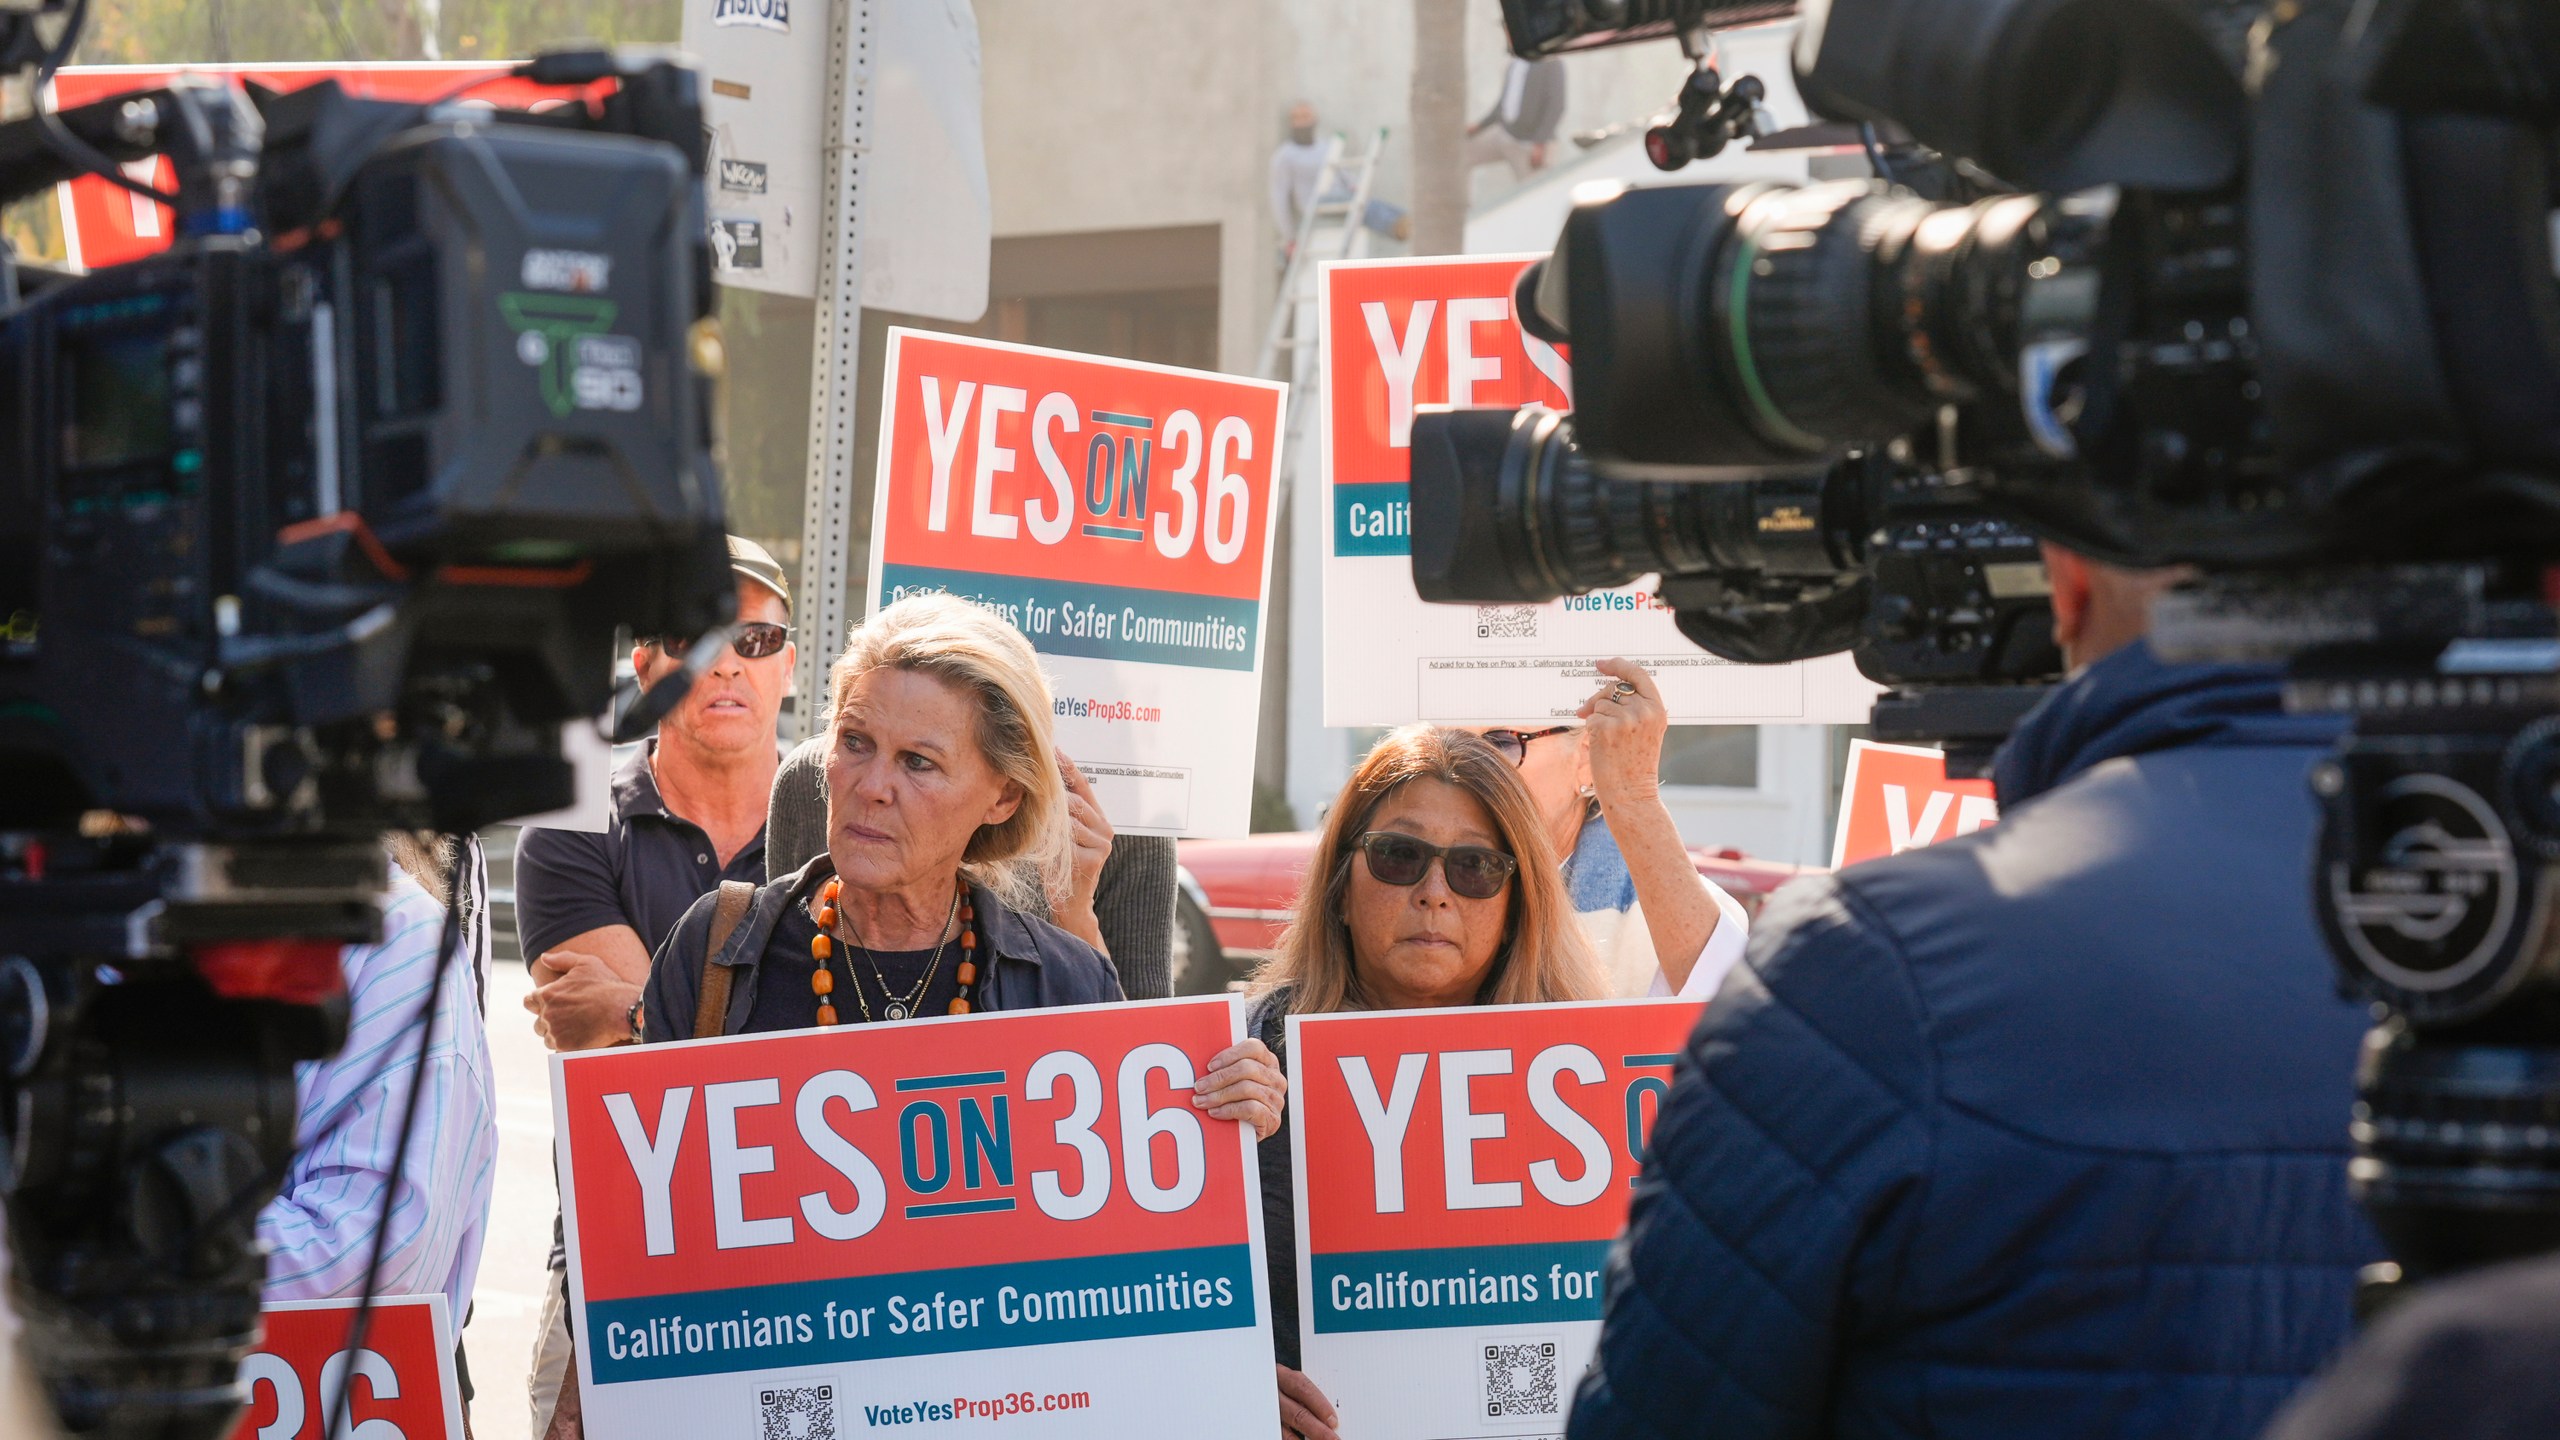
(1725, 756)
(1147, 295)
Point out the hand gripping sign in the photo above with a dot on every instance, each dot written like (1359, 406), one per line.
(1460, 1176)
(1119, 515)
(403, 1379)
(1894, 797)
(1398, 335)
(1008, 1216)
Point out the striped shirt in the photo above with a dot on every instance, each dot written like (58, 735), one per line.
(319, 1229)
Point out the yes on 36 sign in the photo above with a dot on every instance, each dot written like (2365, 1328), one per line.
(1399, 335)
(1119, 514)
(1893, 797)
(402, 1377)
(1460, 1174)
(1016, 1218)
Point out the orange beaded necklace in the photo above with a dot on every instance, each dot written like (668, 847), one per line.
(822, 981)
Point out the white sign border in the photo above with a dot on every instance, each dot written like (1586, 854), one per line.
(878, 561)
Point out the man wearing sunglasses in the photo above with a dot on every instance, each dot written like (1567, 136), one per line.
(1659, 927)
(688, 813)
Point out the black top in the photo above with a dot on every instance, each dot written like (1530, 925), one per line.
(1268, 1022)
(644, 871)
(1025, 964)
(784, 1001)
(2468, 1357)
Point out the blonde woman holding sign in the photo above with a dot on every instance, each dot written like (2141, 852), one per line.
(1433, 884)
(940, 775)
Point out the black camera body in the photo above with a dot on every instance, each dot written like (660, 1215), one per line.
(1548, 27)
(320, 524)
(414, 469)
(2265, 289)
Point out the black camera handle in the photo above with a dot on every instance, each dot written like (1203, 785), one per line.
(1707, 115)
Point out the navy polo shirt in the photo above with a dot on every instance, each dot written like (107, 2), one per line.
(644, 871)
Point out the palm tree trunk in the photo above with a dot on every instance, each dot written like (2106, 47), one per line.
(1439, 126)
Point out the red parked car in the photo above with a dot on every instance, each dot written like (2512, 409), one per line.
(1238, 895)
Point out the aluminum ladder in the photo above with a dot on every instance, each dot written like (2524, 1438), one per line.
(1329, 230)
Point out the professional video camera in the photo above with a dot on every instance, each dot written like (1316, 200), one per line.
(1897, 563)
(2264, 288)
(317, 525)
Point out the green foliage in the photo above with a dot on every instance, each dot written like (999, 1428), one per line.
(1271, 809)
(140, 32)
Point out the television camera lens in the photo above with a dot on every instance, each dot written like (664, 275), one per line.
(1506, 511)
(1899, 565)
(1767, 324)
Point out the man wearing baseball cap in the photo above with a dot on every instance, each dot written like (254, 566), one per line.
(688, 812)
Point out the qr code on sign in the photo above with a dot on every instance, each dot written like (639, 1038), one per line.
(799, 1412)
(1506, 622)
(1520, 1381)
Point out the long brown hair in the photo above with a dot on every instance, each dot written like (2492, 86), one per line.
(1544, 956)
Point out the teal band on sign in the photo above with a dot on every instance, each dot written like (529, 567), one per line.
(1106, 622)
(1372, 520)
(1462, 1285)
(927, 1312)
(973, 1080)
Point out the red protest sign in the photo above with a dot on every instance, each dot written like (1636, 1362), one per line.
(1117, 514)
(1894, 797)
(103, 224)
(1014, 461)
(1479, 1126)
(402, 1377)
(1460, 1175)
(878, 1207)
(1402, 334)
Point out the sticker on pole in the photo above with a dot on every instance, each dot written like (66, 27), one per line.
(1013, 1217)
(1895, 797)
(1460, 1175)
(399, 1382)
(1120, 516)
(1399, 335)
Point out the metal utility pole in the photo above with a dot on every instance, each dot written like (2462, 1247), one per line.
(825, 609)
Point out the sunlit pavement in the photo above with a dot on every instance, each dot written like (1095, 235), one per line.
(508, 1301)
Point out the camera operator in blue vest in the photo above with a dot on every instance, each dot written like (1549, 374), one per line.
(2032, 1132)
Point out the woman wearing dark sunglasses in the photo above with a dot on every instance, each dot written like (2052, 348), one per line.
(1433, 884)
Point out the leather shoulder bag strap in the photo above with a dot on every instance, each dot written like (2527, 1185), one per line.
(711, 1017)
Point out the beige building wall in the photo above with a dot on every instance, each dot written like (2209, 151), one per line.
(1149, 115)
(1137, 114)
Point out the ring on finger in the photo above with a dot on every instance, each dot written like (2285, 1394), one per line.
(1625, 689)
